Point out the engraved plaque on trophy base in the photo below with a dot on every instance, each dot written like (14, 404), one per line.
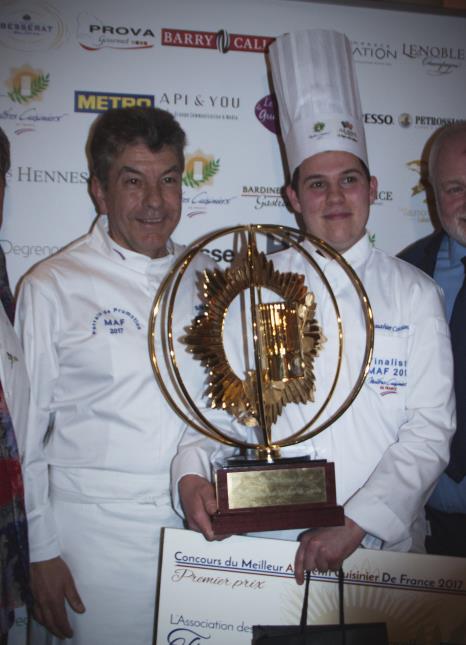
(287, 494)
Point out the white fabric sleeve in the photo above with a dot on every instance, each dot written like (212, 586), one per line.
(394, 495)
(36, 324)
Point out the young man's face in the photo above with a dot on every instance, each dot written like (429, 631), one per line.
(450, 187)
(142, 198)
(334, 197)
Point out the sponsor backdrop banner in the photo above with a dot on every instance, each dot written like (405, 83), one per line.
(62, 63)
(214, 592)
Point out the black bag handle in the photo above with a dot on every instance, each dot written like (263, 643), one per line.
(341, 611)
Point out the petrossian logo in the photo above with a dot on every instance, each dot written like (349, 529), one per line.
(220, 40)
(85, 101)
(26, 84)
(200, 169)
(30, 26)
(94, 34)
(114, 321)
(426, 121)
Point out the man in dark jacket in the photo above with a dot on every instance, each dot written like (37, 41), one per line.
(443, 256)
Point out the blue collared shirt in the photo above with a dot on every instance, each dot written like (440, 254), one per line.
(449, 496)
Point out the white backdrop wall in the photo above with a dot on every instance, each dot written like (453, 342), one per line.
(62, 62)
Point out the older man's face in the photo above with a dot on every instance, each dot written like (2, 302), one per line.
(334, 196)
(142, 198)
(449, 182)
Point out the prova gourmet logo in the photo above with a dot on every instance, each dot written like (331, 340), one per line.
(94, 34)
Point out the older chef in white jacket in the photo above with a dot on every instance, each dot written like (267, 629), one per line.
(390, 447)
(98, 451)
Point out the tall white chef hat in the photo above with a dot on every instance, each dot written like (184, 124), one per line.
(317, 94)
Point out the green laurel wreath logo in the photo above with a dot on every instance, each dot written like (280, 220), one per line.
(38, 85)
(210, 169)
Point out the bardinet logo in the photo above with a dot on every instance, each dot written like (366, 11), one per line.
(221, 40)
(26, 84)
(200, 169)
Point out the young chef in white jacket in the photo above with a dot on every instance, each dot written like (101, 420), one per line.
(390, 447)
(97, 453)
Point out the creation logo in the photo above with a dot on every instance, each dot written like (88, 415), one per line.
(30, 26)
(221, 40)
(26, 84)
(200, 106)
(437, 60)
(378, 119)
(373, 53)
(264, 196)
(28, 174)
(97, 102)
(266, 112)
(200, 169)
(94, 34)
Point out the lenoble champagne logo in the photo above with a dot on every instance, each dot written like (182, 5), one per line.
(27, 84)
(30, 26)
(200, 169)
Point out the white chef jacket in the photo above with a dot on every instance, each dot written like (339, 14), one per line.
(102, 431)
(392, 444)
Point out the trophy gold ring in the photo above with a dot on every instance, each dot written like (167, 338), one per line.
(276, 329)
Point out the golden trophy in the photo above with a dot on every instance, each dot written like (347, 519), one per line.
(271, 317)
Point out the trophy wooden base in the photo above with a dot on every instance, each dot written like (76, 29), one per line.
(286, 494)
(276, 519)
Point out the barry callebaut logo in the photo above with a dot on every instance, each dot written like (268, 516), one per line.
(220, 40)
(437, 60)
(31, 26)
(94, 34)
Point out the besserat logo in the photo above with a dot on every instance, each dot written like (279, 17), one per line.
(94, 34)
(27, 84)
(30, 26)
(221, 40)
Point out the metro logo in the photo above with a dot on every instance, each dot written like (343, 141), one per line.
(101, 102)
